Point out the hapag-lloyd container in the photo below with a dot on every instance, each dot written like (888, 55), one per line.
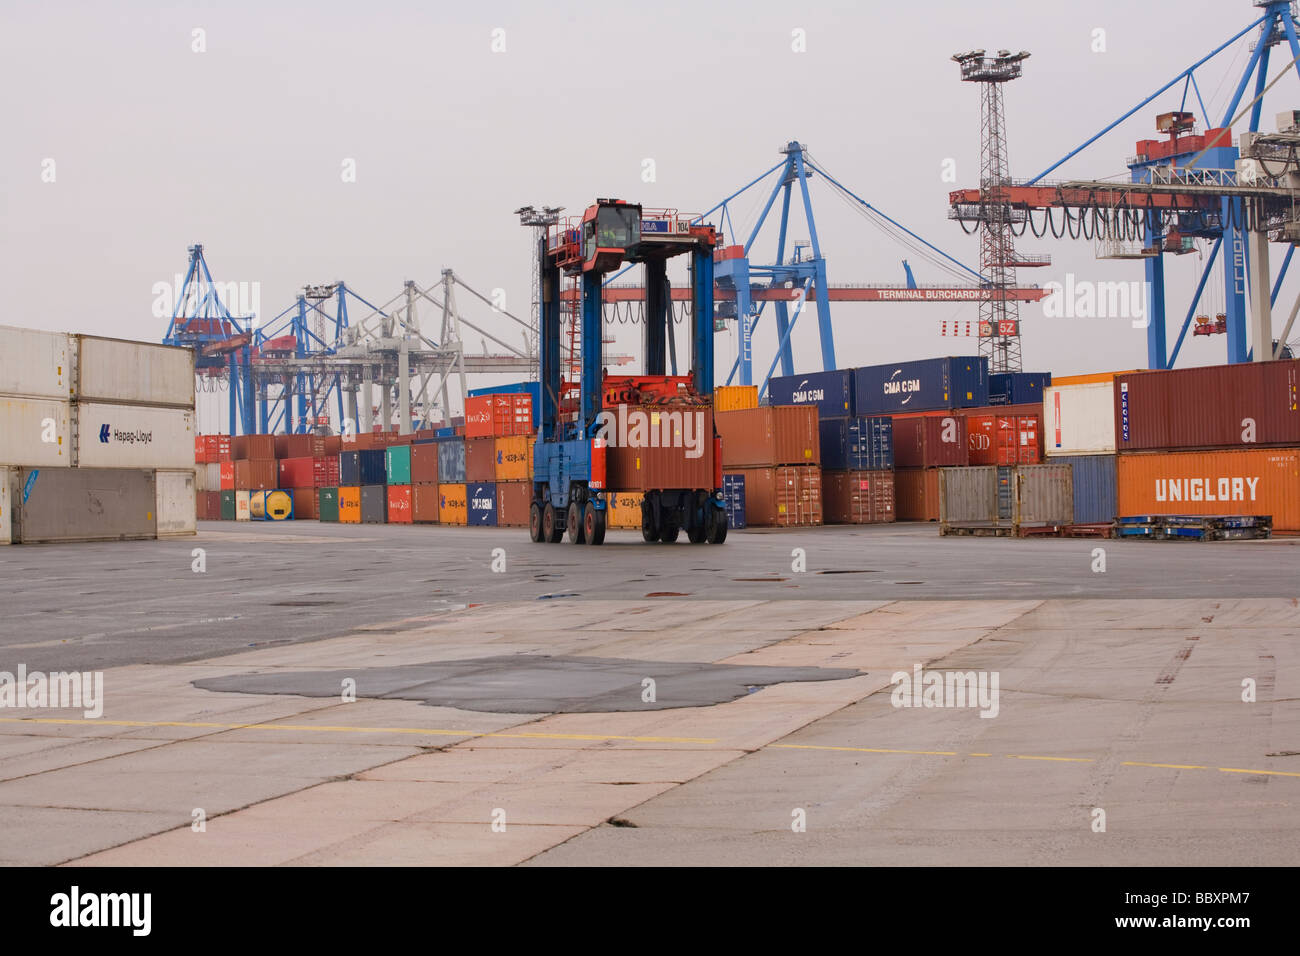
(831, 392)
(672, 448)
(117, 371)
(930, 439)
(83, 504)
(926, 385)
(175, 503)
(1220, 406)
(35, 431)
(858, 497)
(1079, 419)
(857, 444)
(733, 398)
(1256, 481)
(133, 436)
(1094, 480)
(768, 436)
(34, 364)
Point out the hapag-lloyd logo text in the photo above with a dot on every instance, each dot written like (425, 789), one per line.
(639, 428)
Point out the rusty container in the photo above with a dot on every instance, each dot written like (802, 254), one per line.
(858, 497)
(772, 435)
(783, 496)
(661, 447)
(424, 504)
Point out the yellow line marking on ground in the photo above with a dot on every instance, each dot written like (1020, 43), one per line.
(866, 750)
(424, 731)
(1059, 759)
(979, 755)
(1268, 773)
(1166, 766)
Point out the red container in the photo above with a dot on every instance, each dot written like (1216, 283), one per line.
(480, 459)
(400, 504)
(424, 464)
(253, 447)
(494, 416)
(219, 448)
(368, 441)
(642, 467)
(227, 476)
(333, 444)
(299, 446)
(916, 494)
(297, 473)
(200, 449)
(513, 501)
(424, 503)
(928, 439)
(997, 439)
(857, 497)
(306, 505)
(257, 475)
(1221, 406)
(785, 496)
(768, 436)
(207, 506)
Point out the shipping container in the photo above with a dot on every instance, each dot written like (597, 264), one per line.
(34, 364)
(274, 505)
(452, 508)
(1079, 419)
(242, 498)
(257, 475)
(514, 458)
(228, 506)
(1004, 439)
(424, 504)
(480, 459)
(491, 416)
(969, 496)
(212, 505)
(1256, 481)
(482, 503)
(300, 446)
(317, 472)
(916, 494)
(831, 392)
(926, 385)
(768, 436)
(1095, 491)
(857, 444)
(349, 504)
(7, 476)
(514, 498)
(1044, 495)
(1017, 388)
(399, 504)
(175, 505)
(733, 497)
(260, 447)
(624, 511)
(207, 477)
(218, 448)
(734, 398)
(681, 456)
(858, 497)
(397, 464)
(35, 431)
(306, 504)
(532, 389)
(424, 463)
(83, 504)
(226, 476)
(374, 504)
(364, 467)
(785, 496)
(1220, 406)
(451, 461)
(930, 439)
(133, 436)
(327, 504)
(119, 372)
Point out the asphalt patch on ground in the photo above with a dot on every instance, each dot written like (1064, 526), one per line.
(535, 684)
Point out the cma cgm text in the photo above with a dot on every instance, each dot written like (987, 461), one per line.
(1206, 489)
(903, 385)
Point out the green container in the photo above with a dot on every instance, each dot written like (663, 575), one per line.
(328, 505)
(397, 459)
(227, 506)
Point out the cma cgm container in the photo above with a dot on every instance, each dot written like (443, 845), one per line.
(858, 444)
(858, 497)
(34, 364)
(673, 449)
(1256, 481)
(1079, 418)
(481, 503)
(83, 504)
(1017, 388)
(926, 385)
(120, 372)
(1095, 489)
(35, 431)
(831, 392)
(787, 496)
(771, 435)
(930, 439)
(1221, 406)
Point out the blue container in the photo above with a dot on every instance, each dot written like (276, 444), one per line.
(733, 496)
(1018, 388)
(857, 444)
(1096, 498)
(481, 501)
(349, 469)
(924, 386)
(371, 465)
(448, 432)
(831, 392)
(451, 460)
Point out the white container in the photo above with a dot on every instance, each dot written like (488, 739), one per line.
(83, 504)
(241, 505)
(7, 475)
(207, 476)
(123, 372)
(133, 436)
(176, 503)
(34, 364)
(35, 431)
(1079, 419)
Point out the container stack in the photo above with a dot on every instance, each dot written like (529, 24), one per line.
(1079, 431)
(96, 438)
(777, 450)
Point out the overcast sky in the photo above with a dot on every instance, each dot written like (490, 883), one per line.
(242, 146)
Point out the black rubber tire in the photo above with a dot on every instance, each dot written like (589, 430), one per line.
(668, 533)
(648, 530)
(716, 523)
(593, 524)
(552, 530)
(697, 534)
(573, 518)
(535, 523)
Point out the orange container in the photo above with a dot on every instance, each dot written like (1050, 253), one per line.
(514, 458)
(227, 476)
(399, 504)
(916, 494)
(350, 505)
(1258, 481)
(452, 508)
(624, 509)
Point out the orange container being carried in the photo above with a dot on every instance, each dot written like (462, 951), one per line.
(350, 505)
